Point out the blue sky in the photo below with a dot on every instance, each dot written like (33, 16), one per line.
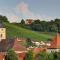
(16, 10)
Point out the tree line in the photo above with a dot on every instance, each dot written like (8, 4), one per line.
(43, 55)
(37, 25)
(42, 26)
(3, 19)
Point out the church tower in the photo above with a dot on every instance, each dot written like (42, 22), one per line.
(2, 32)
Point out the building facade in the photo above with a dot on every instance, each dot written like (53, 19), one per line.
(2, 32)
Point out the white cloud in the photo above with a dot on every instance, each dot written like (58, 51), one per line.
(12, 17)
(24, 10)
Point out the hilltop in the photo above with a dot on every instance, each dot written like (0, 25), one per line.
(15, 31)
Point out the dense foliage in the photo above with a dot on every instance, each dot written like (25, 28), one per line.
(28, 42)
(43, 56)
(3, 19)
(48, 56)
(11, 55)
(44, 26)
(29, 55)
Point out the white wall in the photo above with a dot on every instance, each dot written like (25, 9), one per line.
(2, 33)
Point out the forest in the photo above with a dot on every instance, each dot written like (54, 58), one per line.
(42, 26)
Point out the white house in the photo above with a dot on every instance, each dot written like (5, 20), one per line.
(2, 32)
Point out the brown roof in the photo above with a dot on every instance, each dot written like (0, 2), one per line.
(2, 56)
(38, 50)
(11, 43)
(29, 21)
(55, 42)
(18, 47)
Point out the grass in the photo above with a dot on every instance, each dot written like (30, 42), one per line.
(15, 31)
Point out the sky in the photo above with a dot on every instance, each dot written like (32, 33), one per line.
(15, 10)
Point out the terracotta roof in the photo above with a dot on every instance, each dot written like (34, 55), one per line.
(38, 50)
(55, 42)
(18, 47)
(14, 44)
(2, 56)
(22, 54)
(29, 21)
(11, 43)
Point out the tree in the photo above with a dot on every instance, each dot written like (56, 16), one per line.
(44, 56)
(44, 26)
(36, 22)
(36, 27)
(41, 56)
(58, 55)
(57, 22)
(22, 21)
(28, 42)
(50, 56)
(11, 55)
(29, 55)
(3, 19)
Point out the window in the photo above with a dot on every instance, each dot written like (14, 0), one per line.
(2, 29)
(1, 35)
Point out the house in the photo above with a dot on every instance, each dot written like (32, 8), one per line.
(2, 31)
(14, 43)
(55, 44)
(29, 21)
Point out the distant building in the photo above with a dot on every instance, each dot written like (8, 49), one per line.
(55, 44)
(5, 43)
(29, 21)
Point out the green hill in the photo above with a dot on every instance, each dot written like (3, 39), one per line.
(15, 31)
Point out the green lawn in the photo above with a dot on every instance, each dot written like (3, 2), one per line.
(13, 30)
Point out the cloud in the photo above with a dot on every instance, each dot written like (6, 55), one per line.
(12, 17)
(24, 10)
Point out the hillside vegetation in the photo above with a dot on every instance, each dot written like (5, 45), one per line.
(15, 31)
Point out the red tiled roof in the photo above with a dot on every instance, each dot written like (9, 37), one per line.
(18, 47)
(13, 43)
(29, 21)
(2, 56)
(38, 50)
(21, 56)
(55, 42)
